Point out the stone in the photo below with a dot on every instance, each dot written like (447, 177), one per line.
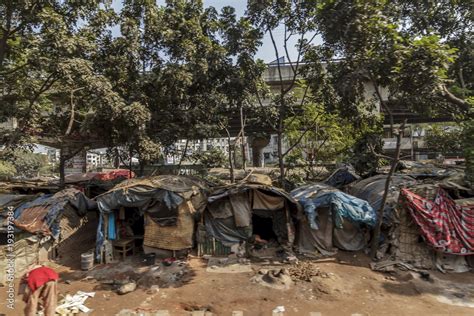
(127, 288)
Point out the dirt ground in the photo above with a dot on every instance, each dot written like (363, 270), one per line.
(344, 285)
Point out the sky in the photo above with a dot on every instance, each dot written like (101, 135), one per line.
(266, 52)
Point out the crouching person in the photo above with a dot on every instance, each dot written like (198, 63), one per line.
(41, 285)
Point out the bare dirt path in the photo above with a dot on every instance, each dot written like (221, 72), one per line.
(345, 286)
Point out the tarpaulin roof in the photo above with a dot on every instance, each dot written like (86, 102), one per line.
(42, 215)
(229, 213)
(372, 190)
(13, 201)
(141, 192)
(317, 195)
(342, 176)
(239, 187)
(444, 225)
(424, 169)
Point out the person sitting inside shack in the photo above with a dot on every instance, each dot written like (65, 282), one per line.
(40, 283)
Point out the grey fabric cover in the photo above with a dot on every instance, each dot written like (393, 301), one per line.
(351, 237)
(221, 208)
(241, 206)
(319, 240)
(225, 230)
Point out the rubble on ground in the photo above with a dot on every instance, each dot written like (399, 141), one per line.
(279, 279)
(304, 271)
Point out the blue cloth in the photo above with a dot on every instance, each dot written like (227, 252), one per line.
(99, 237)
(55, 208)
(342, 205)
(42, 200)
(111, 229)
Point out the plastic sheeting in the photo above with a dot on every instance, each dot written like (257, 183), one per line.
(42, 215)
(342, 176)
(342, 205)
(225, 230)
(372, 189)
(324, 228)
(141, 197)
(445, 226)
(160, 197)
(236, 200)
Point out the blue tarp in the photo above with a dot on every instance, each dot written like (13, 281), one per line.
(342, 205)
(342, 176)
(55, 205)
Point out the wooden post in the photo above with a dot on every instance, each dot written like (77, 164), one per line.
(244, 158)
(378, 225)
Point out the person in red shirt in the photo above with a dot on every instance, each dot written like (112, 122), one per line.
(41, 284)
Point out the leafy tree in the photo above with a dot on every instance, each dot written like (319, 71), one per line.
(404, 48)
(50, 83)
(297, 20)
(187, 66)
(328, 138)
(444, 139)
(213, 158)
(28, 164)
(417, 53)
(7, 170)
(468, 146)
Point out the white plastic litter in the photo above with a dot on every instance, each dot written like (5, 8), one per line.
(279, 309)
(74, 303)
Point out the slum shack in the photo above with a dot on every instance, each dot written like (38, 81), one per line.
(43, 226)
(333, 219)
(435, 231)
(158, 213)
(342, 176)
(372, 190)
(253, 215)
(96, 183)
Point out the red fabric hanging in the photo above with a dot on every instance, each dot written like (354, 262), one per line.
(445, 225)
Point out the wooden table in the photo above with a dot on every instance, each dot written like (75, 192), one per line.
(124, 246)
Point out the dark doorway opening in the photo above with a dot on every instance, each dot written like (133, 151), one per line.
(263, 226)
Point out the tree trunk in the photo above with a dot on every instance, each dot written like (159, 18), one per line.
(62, 168)
(117, 159)
(378, 225)
(141, 169)
(183, 155)
(243, 138)
(231, 163)
(130, 163)
(281, 162)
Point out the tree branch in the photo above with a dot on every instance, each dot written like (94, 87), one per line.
(447, 95)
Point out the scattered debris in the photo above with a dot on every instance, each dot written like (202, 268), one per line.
(127, 288)
(74, 304)
(278, 279)
(305, 271)
(279, 309)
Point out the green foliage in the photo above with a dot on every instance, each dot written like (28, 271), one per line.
(318, 134)
(407, 50)
(213, 158)
(26, 163)
(7, 169)
(445, 139)
(364, 154)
